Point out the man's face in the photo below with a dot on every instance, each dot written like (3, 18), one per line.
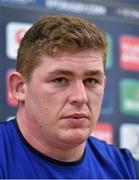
(64, 96)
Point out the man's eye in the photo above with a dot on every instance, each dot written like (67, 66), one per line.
(60, 81)
(90, 81)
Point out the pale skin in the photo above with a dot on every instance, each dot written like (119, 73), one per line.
(60, 105)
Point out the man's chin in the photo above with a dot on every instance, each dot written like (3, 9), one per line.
(76, 137)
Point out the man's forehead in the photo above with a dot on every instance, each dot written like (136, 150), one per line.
(86, 54)
(87, 63)
(81, 57)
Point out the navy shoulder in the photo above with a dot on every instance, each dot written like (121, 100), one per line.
(136, 162)
(6, 143)
(118, 156)
(6, 125)
(6, 128)
(109, 149)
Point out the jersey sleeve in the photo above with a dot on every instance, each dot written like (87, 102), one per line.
(1, 155)
(136, 163)
(125, 161)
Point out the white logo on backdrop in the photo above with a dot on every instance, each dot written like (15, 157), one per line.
(14, 33)
(129, 138)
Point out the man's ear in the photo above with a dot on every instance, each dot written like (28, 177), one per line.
(17, 86)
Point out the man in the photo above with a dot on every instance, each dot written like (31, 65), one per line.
(59, 84)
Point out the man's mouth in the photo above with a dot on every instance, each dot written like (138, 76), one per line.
(76, 120)
(77, 115)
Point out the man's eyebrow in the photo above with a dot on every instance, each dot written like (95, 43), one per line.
(70, 73)
(60, 72)
(94, 72)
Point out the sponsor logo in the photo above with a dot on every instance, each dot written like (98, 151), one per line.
(103, 131)
(129, 138)
(129, 52)
(129, 96)
(76, 7)
(10, 100)
(20, 2)
(14, 33)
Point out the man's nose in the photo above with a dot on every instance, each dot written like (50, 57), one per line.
(78, 94)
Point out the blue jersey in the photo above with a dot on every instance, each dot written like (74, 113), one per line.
(18, 159)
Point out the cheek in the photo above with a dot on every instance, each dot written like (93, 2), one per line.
(97, 95)
(49, 104)
(96, 101)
